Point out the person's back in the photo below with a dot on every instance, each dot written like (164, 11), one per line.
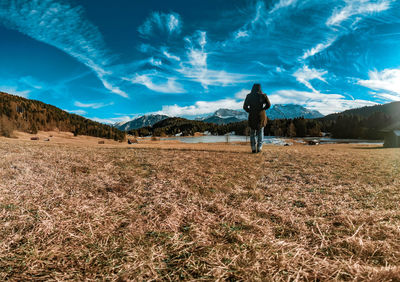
(255, 104)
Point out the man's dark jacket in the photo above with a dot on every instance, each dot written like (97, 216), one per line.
(255, 104)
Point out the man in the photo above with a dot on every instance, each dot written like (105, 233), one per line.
(255, 104)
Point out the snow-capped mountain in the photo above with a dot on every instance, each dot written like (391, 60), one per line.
(143, 121)
(227, 113)
(278, 111)
(225, 116)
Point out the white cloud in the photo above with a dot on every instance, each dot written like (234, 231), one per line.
(64, 27)
(261, 18)
(207, 77)
(170, 23)
(168, 85)
(241, 33)
(356, 7)
(112, 88)
(282, 4)
(23, 86)
(78, 112)
(173, 22)
(14, 91)
(318, 48)
(242, 94)
(386, 80)
(31, 82)
(197, 58)
(196, 49)
(155, 62)
(170, 56)
(324, 103)
(201, 107)
(305, 74)
(196, 68)
(388, 97)
(92, 105)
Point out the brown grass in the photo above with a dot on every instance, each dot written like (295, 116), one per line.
(168, 211)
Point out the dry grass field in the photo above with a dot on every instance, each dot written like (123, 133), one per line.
(72, 209)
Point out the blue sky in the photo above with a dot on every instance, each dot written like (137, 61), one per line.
(114, 60)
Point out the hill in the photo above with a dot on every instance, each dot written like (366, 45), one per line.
(17, 113)
(390, 109)
(365, 123)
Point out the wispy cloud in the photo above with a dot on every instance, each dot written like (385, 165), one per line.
(78, 112)
(92, 105)
(157, 84)
(319, 48)
(64, 27)
(356, 7)
(282, 4)
(14, 90)
(261, 18)
(241, 33)
(22, 86)
(196, 67)
(170, 56)
(115, 89)
(155, 62)
(305, 75)
(387, 80)
(170, 23)
(196, 49)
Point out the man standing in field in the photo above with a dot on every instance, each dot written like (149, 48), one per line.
(255, 104)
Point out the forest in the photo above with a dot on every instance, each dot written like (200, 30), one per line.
(360, 123)
(17, 113)
(282, 127)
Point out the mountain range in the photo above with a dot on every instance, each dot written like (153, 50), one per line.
(143, 121)
(227, 116)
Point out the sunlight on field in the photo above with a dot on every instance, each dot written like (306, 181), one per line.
(166, 210)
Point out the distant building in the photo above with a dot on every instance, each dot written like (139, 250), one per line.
(392, 139)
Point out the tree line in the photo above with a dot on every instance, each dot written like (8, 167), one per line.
(17, 113)
(349, 125)
(282, 127)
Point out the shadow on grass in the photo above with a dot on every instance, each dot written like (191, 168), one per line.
(370, 148)
(189, 150)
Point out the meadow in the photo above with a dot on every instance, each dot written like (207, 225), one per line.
(72, 209)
